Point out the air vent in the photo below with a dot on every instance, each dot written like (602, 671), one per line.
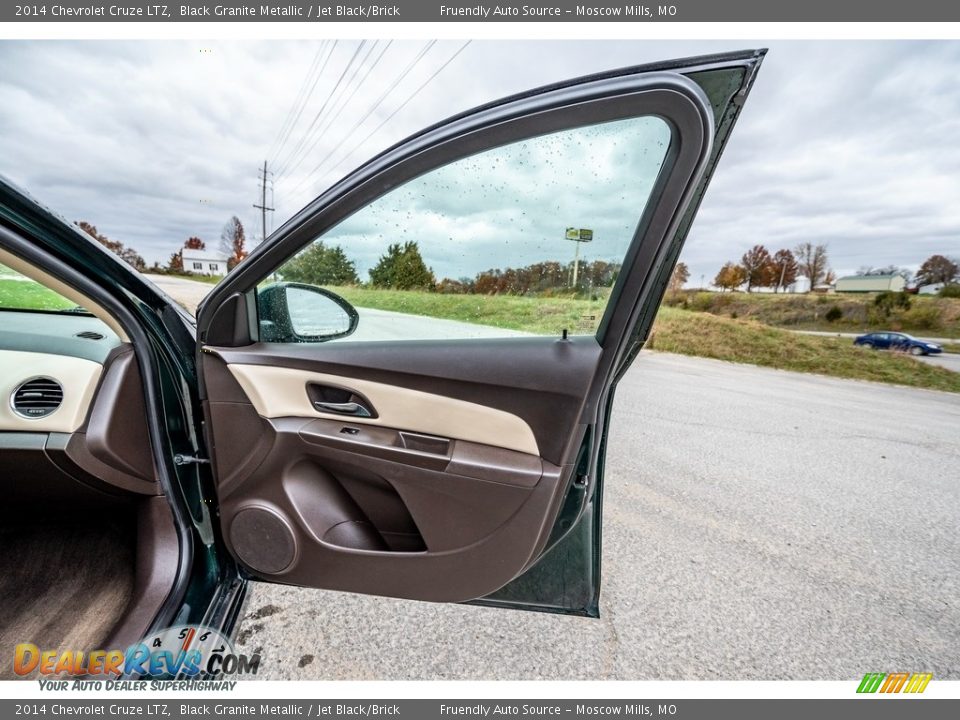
(37, 398)
(90, 335)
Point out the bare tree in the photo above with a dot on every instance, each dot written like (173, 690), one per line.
(681, 273)
(233, 242)
(812, 262)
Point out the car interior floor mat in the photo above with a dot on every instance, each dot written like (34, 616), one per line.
(64, 586)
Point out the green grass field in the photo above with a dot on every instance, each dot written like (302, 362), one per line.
(29, 295)
(545, 316)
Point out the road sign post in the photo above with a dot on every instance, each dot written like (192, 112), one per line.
(578, 235)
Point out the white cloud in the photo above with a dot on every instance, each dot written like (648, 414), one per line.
(849, 143)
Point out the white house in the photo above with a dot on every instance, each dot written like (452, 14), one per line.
(204, 262)
(870, 283)
(931, 289)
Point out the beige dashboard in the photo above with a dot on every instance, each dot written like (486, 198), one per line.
(77, 376)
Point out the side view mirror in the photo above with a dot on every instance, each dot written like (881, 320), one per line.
(297, 312)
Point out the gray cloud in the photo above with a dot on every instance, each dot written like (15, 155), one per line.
(849, 143)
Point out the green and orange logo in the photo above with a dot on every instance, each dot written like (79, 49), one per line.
(895, 682)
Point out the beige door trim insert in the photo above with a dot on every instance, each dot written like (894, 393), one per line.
(282, 392)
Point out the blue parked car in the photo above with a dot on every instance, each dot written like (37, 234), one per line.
(897, 341)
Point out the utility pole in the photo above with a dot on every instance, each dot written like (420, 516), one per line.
(262, 207)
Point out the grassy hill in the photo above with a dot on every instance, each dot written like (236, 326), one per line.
(746, 341)
(925, 315)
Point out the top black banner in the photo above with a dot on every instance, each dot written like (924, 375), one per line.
(465, 11)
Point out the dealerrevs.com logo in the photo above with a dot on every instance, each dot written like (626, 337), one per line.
(894, 682)
(181, 651)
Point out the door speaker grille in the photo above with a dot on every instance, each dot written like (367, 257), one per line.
(262, 540)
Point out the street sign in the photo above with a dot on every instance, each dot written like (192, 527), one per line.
(579, 234)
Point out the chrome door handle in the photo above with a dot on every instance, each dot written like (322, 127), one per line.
(348, 408)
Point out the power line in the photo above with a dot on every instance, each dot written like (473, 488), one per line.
(293, 153)
(379, 101)
(394, 113)
(298, 103)
(318, 75)
(337, 108)
(303, 106)
(399, 108)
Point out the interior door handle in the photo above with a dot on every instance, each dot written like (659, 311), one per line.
(348, 408)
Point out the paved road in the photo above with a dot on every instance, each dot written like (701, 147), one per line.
(824, 333)
(187, 292)
(759, 524)
(950, 361)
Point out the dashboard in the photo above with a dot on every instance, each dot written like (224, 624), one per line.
(72, 412)
(50, 367)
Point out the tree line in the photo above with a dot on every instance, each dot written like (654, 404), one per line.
(402, 267)
(758, 267)
(233, 244)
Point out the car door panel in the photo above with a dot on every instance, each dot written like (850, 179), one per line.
(367, 515)
(460, 485)
(475, 460)
(542, 381)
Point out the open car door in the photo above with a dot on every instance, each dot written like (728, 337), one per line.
(412, 447)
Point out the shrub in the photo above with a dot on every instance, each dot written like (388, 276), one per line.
(833, 314)
(888, 301)
(702, 301)
(922, 317)
(950, 291)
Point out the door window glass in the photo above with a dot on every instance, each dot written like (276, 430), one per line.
(527, 238)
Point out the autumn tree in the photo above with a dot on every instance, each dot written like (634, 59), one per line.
(175, 263)
(730, 277)
(758, 267)
(812, 262)
(194, 243)
(128, 255)
(402, 268)
(321, 265)
(538, 278)
(233, 242)
(785, 269)
(938, 269)
(681, 273)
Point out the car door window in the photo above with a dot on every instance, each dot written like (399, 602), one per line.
(526, 238)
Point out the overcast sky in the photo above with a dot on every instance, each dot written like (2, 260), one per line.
(853, 144)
